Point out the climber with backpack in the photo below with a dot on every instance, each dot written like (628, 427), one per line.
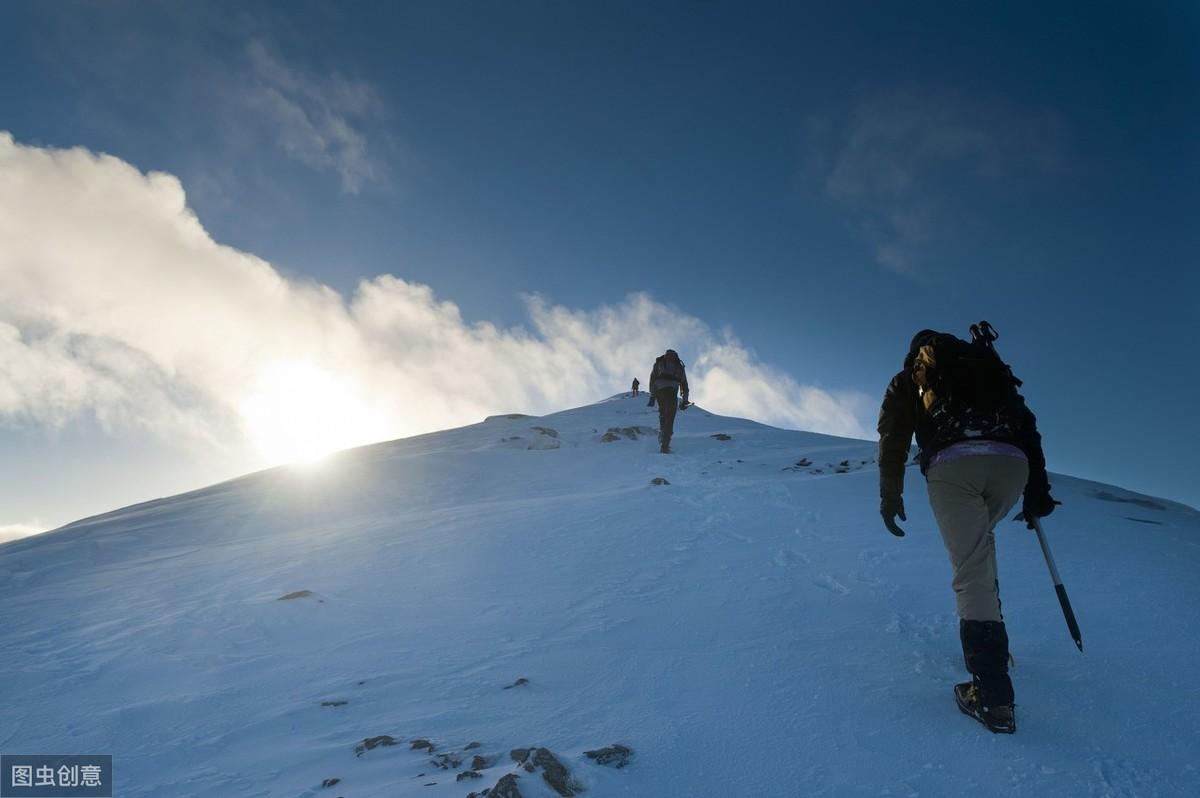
(980, 451)
(667, 379)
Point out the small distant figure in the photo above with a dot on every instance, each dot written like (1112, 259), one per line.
(667, 379)
(635, 387)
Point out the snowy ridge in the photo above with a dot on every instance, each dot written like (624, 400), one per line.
(747, 629)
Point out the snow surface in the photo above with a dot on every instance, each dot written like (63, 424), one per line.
(749, 629)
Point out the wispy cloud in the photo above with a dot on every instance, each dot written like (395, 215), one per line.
(115, 304)
(316, 119)
(10, 532)
(906, 165)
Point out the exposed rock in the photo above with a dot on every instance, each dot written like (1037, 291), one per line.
(334, 703)
(1143, 520)
(529, 768)
(468, 774)
(299, 594)
(555, 773)
(374, 742)
(628, 433)
(553, 433)
(519, 755)
(420, 744)
(616, 755)
(505, 788)
(329, 783)
(659, 481)
(480, 763)
(721, 436)
(472, 745)
(447, 761)
(1149, 504)
(506, 415)
(518, 683)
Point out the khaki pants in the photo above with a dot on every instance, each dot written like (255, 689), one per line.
(969, 496)
(667, 400)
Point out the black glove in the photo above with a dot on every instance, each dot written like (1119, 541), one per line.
(684, 404)
(651, 402)
(889, 508)
(1037, 504)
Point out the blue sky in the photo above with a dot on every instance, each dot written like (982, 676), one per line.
(797, 187)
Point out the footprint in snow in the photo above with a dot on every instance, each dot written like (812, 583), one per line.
(786, 558)
(873, 557)
(828, 582)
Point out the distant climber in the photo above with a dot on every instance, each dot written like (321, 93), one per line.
(667, 380)
(979, 451)
(635, 387)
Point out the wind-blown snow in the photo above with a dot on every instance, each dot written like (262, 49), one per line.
(749, 629)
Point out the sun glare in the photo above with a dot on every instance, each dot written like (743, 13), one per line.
(299, 412)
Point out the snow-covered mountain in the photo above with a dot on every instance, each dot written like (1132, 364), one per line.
(747, 627)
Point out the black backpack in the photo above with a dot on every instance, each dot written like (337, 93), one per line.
(966, 389)
(670, 368)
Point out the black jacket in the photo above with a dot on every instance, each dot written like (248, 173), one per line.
(902, 415)
(669, 373)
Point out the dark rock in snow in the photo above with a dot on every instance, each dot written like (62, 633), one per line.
(421, 744)
(518, 683)
(447, 761)
(299, 594)
(468, 774)
(628, 433)
(329, 783)
(1148, 504)
(480, 763)
(505, 788)
(334, 703)
(555, 773)
(721, 436)
(371, 743)
(659, 481)
(616, 755)
(472, 745)
(519, 755)
(553, 433)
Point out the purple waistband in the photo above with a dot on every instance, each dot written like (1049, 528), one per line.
(969, 448)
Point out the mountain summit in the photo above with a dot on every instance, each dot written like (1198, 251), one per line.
(548, 606)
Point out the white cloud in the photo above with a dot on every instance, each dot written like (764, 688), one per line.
(315, 118)
(9, 532)
(907, 165)
(115, 304)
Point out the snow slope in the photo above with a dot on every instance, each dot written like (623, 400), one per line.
(749, 629)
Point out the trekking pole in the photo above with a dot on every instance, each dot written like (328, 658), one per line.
(1065, 602)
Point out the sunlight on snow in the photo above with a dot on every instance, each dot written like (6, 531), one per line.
(299, 412)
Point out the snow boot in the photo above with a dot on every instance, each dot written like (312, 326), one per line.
(1000, 718)
(988, 697)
